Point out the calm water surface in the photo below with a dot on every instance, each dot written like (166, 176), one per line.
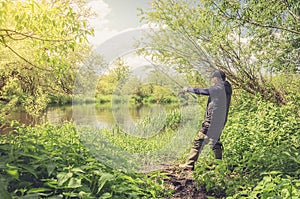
(102, 114)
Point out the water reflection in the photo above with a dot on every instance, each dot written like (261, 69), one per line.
(107, 116)
(101, 114)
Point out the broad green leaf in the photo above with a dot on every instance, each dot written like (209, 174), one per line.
(38, 190)
(77, 170)
(50, 167)
(56, 197)
(63, 178)
(105, 195)
(13, 172)
(30, 169)
(103, 179)
(74, 183)
(71, 194)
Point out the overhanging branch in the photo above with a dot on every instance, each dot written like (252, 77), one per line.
(24, 59)
(11, 33)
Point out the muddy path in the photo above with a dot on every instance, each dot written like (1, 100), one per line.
(183, 184)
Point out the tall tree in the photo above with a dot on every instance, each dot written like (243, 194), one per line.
(114, 80)
(41, 44)
(247, 39)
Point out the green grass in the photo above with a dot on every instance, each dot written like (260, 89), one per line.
(154, 140)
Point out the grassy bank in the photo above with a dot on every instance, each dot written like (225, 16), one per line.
(261, 156)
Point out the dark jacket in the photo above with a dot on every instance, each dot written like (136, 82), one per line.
(219, 98)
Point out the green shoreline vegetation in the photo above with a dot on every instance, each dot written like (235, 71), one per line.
(261, 157)
(44, 45)
(103, 99)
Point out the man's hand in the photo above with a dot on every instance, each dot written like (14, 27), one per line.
(183, 91)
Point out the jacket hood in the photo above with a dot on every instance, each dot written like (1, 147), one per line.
(228, 88)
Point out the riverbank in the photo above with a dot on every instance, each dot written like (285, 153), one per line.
(102, 99)
(260, 159)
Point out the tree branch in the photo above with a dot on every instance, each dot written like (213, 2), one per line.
(273, 27)
(259, 24)
(24, 59)
(285, 2)
(10, 33)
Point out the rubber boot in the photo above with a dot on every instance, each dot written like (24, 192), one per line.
(218, 149)
(194, 154)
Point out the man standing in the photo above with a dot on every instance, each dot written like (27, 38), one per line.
(215, 117)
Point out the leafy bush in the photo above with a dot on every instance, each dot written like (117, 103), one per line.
(60, 99)
(151, 100)
(274, 185)
(104, 99)
(50, 161)
(83, 100)
(169, 99)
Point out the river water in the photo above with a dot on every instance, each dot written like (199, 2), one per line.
(103, 114)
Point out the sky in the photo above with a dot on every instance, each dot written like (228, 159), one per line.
(115, 16)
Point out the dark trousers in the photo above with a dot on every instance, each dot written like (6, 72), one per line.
(210, 132)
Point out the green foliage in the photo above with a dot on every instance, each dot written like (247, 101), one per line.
(102, 99)
(112, 82)
(121, 82)
(261, 157)
(143, 144)
(50, 161)
(139, 94)
(273, 24)
(246, 39)
(41, 44)
(60, 99)
(274, 185)
(152, 93)
(144, 129)
(289, 84)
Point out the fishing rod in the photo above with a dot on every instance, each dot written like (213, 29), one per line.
(166, 74)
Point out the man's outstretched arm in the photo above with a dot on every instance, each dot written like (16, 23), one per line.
(198, 91)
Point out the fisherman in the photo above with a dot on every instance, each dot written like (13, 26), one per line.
(215, 117)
